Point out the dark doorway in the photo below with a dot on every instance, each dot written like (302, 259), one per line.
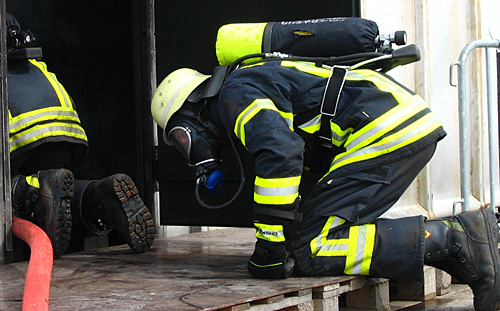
(185, 36)
(94, 48)
(89, 45)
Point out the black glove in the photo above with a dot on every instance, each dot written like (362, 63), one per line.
(270, 260)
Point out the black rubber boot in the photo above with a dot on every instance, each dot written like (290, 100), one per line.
(466, 246)
(45, 199)
(86, 211)
(117, 200)
(25, 192)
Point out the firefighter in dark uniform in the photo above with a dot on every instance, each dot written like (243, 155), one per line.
(47, 142)
(381, 134)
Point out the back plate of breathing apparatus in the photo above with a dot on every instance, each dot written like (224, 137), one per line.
(211, 87)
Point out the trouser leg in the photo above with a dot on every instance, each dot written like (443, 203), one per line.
(356, 200)
(48, 156)
(376, 249)
(361, 197)
(114, 202)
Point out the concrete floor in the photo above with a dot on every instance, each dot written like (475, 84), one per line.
(460, 298)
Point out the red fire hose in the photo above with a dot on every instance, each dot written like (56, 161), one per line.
(37, 284)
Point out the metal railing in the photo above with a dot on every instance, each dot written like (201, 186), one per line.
(465, 154)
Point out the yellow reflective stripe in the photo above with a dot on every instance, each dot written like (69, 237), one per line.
(63, 96)
(358, 248)
(371, 229)
(288, 116)
(276, 191)
(385, 123)
(247, 114)
(311, 126)
(275, 200)
(46, 130)
(381, 82)
(334, 247)
(252, 65)
(307, 67)
(254, 108)
(263, 266)
(361, 243)
(423, 127)
(351, 254)
(318, 244)
(338, 135)
(33, 181)
(272, 233)
(30, 118)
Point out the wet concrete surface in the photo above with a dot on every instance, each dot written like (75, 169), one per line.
(459, 298)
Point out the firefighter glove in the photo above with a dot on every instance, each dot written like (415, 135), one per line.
(270, 260)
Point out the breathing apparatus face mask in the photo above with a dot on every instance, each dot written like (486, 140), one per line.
(194, 139)
(199, 141)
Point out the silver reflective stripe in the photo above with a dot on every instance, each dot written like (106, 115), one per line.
(276, 191)
(340, 139)
(319, 246)
(27, 137)
(376, 78)
(360, 251)
(61, 94)
(334, 247)
(35, 117)
(388, 145)
(386, 125)
(289, 122)
(257, 106)
(314, 121)
(67, 101)
(378, 148)
(354, 75)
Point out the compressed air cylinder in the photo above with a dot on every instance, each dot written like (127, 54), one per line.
(324, 37)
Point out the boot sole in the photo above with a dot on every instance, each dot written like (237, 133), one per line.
(491, 224)
(140, 230)
(60, 231)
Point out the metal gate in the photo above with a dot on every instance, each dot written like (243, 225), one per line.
(490, 47)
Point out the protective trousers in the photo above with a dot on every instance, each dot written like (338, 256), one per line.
(341, 235)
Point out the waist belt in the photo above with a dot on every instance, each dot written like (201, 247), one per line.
(330, 102)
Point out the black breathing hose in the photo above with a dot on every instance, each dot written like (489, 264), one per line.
(345, 60)
(200, 181)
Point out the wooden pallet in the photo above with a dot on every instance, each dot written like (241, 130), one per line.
(356, 293)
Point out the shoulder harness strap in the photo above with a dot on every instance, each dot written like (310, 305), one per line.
(330, 102)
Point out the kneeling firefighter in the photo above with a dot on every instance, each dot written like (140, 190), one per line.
(47, 142)
(379, 135)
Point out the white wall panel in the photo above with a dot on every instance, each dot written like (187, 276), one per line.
(441, 29)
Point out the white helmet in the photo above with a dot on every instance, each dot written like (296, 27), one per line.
(173, 92)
